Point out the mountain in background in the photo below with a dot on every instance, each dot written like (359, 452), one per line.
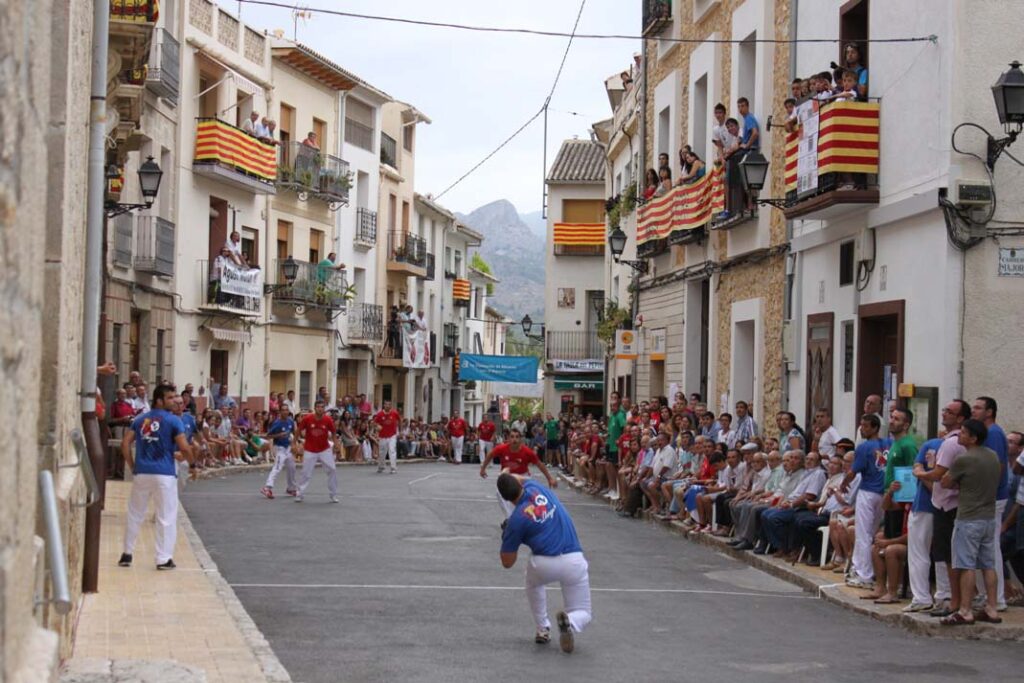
(536, 222)
(515, 252)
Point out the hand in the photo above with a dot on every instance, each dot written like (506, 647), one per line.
(894, 487)
(107, 368)
(553, 483)
(483, 474)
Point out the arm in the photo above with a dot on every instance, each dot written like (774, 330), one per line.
(126, 448)
(918, 471)
(1011, 519)
(182, 443)
(753, 138)
(483, 465)
(947, 481)
(509, 559)
(552, 482)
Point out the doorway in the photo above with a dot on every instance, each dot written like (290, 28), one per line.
(879, 346)
(820, 355)
(218, 369)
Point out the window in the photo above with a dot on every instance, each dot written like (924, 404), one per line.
(848, 356)
(392, 213)
(846, 263)
(853, 26)
(665, 131)
(699, 141)
(218, 368)
(583, 211)
(458, 263)
(286, 124)
(284, 240)
(405, 216)
(408, 133)
(747, 69)
(320, 128)
(316, 246)
(448, 259)
(388, 150)
(359, 124)
(305, 389)
(250, 246)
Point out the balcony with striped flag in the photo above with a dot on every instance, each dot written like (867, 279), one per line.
(462, 292)
(680, 216)
(579, 239)
(832, 160)
(230, 155)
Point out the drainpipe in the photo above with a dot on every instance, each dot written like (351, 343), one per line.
(95, 222)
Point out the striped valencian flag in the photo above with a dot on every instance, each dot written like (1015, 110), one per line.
(461, 289)
(686, 207)
(580, 234)
(221, 142)
(848, 138)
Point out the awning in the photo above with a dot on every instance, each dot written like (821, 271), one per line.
(583, 383)
(240, 336)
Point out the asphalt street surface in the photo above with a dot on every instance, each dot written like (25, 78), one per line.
(401, 582)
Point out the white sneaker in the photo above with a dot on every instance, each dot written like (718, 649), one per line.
(298, 498)
(394, 470)
(380, 469)
(857, 582)
(543, 637)
(609, 494)
(565, 637)
(918, 607)
(614, 496)
(334, 499)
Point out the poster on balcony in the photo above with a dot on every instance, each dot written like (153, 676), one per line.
(415, 347)
(627, 345)
(487, 368)
(240, 281)
(656, 340)
(807, 154)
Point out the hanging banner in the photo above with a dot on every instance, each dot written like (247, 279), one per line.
(415, 348)
(517, 369)
(588, 365)
(627, 345)
(241, 281)
(656, 340)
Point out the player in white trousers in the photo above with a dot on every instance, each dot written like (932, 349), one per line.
(388, 448)
(315, 431)
(390, 421)
(156, 435)
(542, 523)
(280, 432)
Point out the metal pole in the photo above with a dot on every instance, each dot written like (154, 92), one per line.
(60, 594)
(95, 224)
(544, 174)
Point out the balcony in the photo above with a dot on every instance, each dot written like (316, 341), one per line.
(462, 292)
(309, 172)
(431, 267)
(366, 323)
(579, 239)
(574, 345)
(315, 286)
(230, 155)
(651, 248)
(233, 291)
(163, 77)
(154, 246)
(390, 356)
(366, 229)
(657, 15)
(388, 151)
(832, 168)
(451, 340)
(680, 216)
(407, 253)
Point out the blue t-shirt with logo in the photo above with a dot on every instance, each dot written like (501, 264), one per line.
(872, 477)
(923, 497)
(282, 431)
(541, 522)
(154, 442)
(749, 126)
(188, 424)
(996, 440)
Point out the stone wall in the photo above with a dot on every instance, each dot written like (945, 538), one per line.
(44, 62)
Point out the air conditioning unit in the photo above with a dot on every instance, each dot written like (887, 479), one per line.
(967, 193)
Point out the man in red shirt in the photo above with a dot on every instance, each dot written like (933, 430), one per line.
(486, 431)
(515, 459)
(388, 419)
(457, 432)
(314, 434)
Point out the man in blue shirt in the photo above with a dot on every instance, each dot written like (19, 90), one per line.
(919, 536)
(868, 507)
(157, 434)
(281, 431)
(751, 138)
(542, 523)
(984, 410)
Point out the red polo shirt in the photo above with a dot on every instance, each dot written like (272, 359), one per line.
(316, 432)
(516, 462)
(486, 430)
(457, 427)
(388, 423)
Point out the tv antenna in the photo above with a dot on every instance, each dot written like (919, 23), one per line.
(305, 15)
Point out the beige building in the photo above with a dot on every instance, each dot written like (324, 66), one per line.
(714, 291)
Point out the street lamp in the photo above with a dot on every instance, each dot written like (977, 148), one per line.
(1008, 93)
(289, 271)
(150, 176)
(527, 324)
(617, 243)
(754, 173)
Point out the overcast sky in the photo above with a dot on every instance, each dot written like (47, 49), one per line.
(476, 87)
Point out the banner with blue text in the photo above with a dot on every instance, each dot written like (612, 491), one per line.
(516, 369)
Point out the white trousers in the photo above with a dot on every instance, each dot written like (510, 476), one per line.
(570, 572)
(457, 447)
(367, 451)
(980, 577)
(309, 461)
(919, 560)
(485, 448)
(283, 460)
(506, 507)
(868, 517)
(389, 446)
(163, 489)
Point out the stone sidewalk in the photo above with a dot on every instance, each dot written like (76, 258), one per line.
(183, 625)
(831, 587)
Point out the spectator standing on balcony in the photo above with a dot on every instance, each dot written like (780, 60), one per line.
(851, 54)
(663, 162)
(388, 419)
(651, 183)
(696, 169)
(720, 136)
(250, 125)
(324, 268)
(311, 141)
(733, 180)
(214, 294)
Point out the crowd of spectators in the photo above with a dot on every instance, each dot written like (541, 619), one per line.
(820, 498)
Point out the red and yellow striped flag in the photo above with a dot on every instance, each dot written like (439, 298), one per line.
(580, 234)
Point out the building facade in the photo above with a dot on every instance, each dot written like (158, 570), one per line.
(574, 298)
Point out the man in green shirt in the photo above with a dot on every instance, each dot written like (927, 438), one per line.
(552, 453)
(902, 453)
(324, 268)
(616, 424)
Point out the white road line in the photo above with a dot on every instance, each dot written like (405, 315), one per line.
(371, 586)
(429, 476)
(256, 494)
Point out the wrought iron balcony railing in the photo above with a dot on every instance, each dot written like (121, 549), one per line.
(366, 323)
(366, 227)
(164, 74)
(573, 345)
(314, 285)
(309, 171)
(154, 245)
(219, 291)
(405, 247)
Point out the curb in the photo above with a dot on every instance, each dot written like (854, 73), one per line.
(273, 670)
(830, 591)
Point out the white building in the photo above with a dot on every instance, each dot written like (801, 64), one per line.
(879, 291)
(575, 288)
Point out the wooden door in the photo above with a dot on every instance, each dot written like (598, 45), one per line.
(820, 354)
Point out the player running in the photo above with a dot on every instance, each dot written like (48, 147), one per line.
(314, 434)
(457, 432)
(388, 419)
(515, 459)
(280, 432)
(486, 431)
(541, 522)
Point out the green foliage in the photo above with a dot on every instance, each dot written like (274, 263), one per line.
(614, 318)
(615, 216)
(627, 204)
(525, 408)
(477, 262)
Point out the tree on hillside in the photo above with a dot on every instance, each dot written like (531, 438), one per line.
(477, 261)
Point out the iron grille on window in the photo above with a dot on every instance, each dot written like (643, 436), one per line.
(388, 150)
